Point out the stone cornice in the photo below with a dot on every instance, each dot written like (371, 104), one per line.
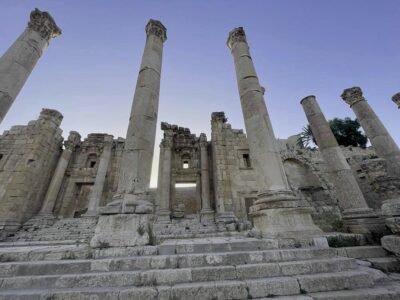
(352, 95)
(236, 35)
(44, 24)
(156, 28)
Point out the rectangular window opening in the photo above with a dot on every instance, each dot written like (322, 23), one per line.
(185, 184)
(246, 160)
(185, 165)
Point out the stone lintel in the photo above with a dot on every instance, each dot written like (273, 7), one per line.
(236, 35)
(352, 95)
(156, 28)
(44, 24)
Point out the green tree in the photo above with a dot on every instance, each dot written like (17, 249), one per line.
(346, 131)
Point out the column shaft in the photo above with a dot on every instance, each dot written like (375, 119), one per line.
(384, 145)
(57, 179)
(205, 176)
(277, 213)
(97, 189)
(19, 60)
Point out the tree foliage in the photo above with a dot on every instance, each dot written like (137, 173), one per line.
(346, 131)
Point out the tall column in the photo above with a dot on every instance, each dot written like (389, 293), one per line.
(396, 99)
(135, 171)
(163, 213)
(384, 145)
(74, 139)
(207, 214)
(97, 189)
(20, 59)
(357, 216)
(277, 211)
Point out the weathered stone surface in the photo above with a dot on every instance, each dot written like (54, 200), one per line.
(391, 243)
(122, 230)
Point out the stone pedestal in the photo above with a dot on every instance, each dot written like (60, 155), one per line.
(97, 190)
(382, 142)
(357, 216)
(19, 60)
(123, 230)
(276, 203)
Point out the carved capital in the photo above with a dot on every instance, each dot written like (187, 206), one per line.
(74, 139)
(156, 28)
(203, 140)
(44, 24)
(236, 35)
(352, 95)
(396, 99)
(51, 115)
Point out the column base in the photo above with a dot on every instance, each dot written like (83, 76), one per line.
(128, 204)
(363, 220)
(163, 216)
(123, 230)
(281, 215)
(207, 216)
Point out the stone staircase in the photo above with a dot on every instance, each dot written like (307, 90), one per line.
(68, 229)
(187, 227)
(206, 268)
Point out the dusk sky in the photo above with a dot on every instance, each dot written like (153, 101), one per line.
(299, 48)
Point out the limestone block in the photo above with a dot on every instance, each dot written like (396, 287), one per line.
(122, 230)
(391, 243)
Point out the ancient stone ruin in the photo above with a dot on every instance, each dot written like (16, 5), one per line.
(234, 216)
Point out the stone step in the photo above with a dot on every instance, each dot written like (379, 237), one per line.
(230, 289)
(386, 292)
(177, 276)
(385, 264)
(362, 252)
(222, 244)
(161, 261)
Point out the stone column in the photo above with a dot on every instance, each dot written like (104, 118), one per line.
(396, 99)
(163, 213)
(357, 216)
(277, 212)
(20, 59)
(135, 171)
(46, 211)
(97, 190)
(127, 221)
(206, 214)
(384, 145)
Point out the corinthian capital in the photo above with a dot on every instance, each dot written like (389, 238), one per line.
(203, 140)
(396, 99)
(73, 140)
(352, 95)
(156, 28)
(236, 35)
(44, 24)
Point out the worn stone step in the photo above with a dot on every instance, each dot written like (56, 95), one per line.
(231, 289)
(162, 261)
(385, 264)
(222, 244)
(387, 292)
(176, 276)
(362, 252)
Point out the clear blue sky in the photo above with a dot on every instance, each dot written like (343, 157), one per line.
(299, 48)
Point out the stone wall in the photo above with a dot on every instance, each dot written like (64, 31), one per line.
(28, 157)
